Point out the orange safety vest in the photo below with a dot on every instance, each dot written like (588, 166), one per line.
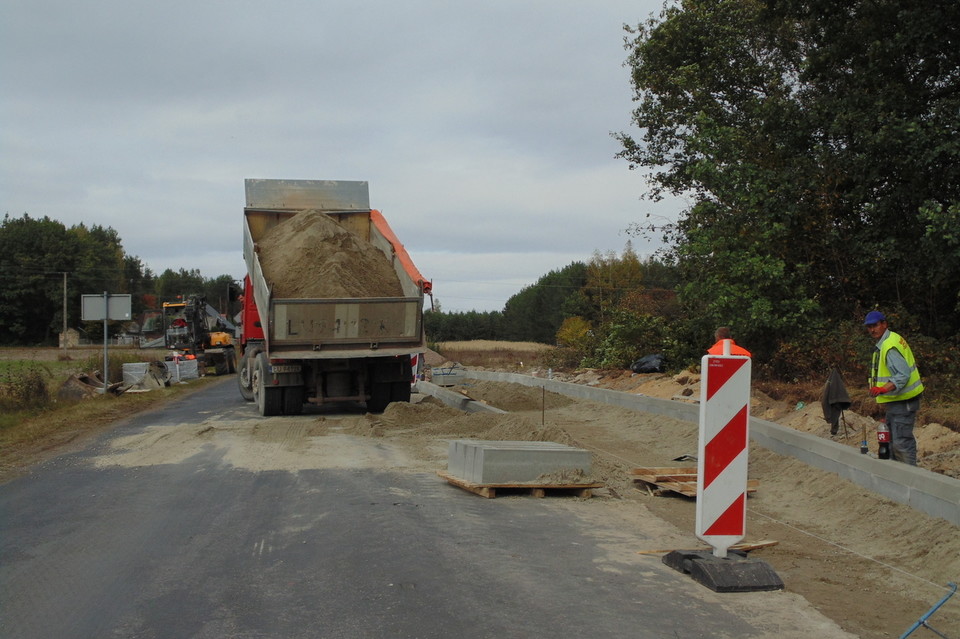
(717, 349)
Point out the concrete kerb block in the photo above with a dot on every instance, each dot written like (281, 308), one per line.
(457, 457)
(510, 462)
(454, 399)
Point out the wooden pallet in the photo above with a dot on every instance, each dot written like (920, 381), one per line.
(681, 479)
(489, 491)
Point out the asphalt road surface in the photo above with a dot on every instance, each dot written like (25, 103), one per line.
(202, 548)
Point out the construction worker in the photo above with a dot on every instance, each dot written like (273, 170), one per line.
(895, 383)
(721, 335)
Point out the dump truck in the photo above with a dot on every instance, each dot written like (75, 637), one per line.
(332, 305)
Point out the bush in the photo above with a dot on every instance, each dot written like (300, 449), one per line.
(562, 358)
(626, 338)
(24, 387)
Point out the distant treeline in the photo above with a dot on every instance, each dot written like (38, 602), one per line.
(589, 292)
(44, 263)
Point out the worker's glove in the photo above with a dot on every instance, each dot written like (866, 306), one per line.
(877, 390)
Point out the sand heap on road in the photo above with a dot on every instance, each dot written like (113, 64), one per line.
(311, 255)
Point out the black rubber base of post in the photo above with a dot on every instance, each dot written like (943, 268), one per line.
(734, 573)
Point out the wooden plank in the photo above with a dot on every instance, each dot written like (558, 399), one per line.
(682, 480)
(684, 488)
(664, 477)
(666, 470)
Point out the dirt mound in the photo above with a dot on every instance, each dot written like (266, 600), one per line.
(415, 415)
(310, 255)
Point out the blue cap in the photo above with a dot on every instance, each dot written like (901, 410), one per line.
(873, 317)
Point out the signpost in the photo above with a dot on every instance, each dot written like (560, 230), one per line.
(105, 307)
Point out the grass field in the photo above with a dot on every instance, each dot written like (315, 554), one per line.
(494, 354)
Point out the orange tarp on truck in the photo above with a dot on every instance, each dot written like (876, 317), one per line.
(381, 223)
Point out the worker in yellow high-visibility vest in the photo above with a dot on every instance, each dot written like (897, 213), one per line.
(895, 383)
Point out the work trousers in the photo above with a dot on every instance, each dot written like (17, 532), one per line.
(901, 417)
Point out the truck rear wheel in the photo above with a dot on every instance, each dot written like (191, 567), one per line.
(245, 375)
(269, 400)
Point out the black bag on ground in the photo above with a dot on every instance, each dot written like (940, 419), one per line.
(648, 364)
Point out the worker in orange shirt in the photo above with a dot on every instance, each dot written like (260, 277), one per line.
(723, 334)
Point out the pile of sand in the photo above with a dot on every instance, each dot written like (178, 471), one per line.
(310, 255)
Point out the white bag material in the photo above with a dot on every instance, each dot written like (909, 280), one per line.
(184, 369)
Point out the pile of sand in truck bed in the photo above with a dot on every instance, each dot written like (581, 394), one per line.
(310, 255)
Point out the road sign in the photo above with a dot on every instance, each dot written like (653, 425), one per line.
(722, 457)
(105, 307)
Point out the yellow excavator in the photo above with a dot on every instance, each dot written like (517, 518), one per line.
(195, 330)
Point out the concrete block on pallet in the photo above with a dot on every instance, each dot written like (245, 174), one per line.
(506, 462)
(457, 456)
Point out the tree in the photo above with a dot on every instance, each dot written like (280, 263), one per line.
(610, 279)
(626, 337)
(537, 311)
(172, 285)
(26, 304)
(805, 153)
(139, 281)
(442, 327)
(881, 80)
(99, 265)
(36, 254)
(719, 115)
(220, 292)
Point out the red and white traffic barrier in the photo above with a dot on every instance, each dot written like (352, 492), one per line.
(722, 451)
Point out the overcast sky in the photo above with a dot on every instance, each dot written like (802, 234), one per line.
(483, 128)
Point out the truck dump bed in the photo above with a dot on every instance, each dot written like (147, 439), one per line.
(329, 327)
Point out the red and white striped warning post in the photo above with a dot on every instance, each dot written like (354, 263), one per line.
(722, 451)
(414, 368)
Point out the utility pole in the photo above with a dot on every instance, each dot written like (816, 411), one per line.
(64, 338)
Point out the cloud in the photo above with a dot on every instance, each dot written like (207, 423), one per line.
(482, 128)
